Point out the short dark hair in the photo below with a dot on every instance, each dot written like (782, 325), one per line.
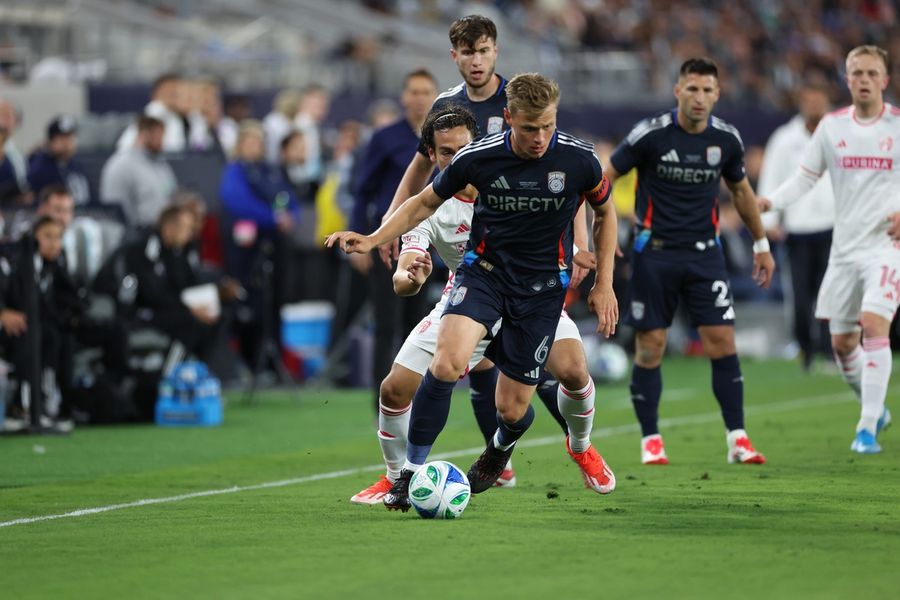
(420, 73)
(466, 31)
(162, 80)
(42, 221)
(50, 190)
(289, 137)
(448, 117)
(170, 213)
(146, 122)
(699, 66)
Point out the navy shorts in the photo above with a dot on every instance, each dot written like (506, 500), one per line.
(521, 346)
(660, 278)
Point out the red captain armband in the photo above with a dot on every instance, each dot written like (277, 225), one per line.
(600, 194)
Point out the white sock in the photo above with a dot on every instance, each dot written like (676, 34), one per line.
(851, 369)
(393, 424)
(500, 446)
(577, 408)
(875, 376)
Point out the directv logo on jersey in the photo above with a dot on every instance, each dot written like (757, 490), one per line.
(686, 174)
(524, 203)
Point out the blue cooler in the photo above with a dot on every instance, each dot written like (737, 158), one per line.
(306, 331)
(189, 396)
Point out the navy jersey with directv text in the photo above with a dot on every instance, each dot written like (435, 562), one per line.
(679, 175)
(522, 226)
(488, 113)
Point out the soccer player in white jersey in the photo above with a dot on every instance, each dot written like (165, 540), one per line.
(446, 131)
(859, 146)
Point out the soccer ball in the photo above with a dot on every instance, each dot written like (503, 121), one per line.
(439, 490)
(606, 361)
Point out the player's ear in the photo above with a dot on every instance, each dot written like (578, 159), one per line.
(431, 155)
(507, 116)
(453, 53)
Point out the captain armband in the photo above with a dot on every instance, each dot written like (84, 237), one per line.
(599, 194)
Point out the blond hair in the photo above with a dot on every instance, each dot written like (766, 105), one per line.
(531, 93)
(870, 50)
(287, 102)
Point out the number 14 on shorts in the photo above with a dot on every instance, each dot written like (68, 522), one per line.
(889, 280)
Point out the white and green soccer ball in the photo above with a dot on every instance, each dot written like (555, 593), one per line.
(439, 490)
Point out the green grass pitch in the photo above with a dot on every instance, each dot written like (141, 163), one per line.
(815, 522)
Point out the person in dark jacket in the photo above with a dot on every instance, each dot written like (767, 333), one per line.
(55, 164)
(36, 295)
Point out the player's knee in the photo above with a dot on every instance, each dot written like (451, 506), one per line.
(511, 412)
(447, 367)
(393, 394)
(844, 344)
(649, 349)
(874, 325)
(572, 375)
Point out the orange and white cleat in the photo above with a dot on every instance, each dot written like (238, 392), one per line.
(373, 494)
(653, 452)
(740, 450)
(596, 473)
(507, 478)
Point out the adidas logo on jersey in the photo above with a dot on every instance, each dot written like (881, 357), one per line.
(670, 156)
(500, 183)
(534, 373)
(463, 228)
(841, 144)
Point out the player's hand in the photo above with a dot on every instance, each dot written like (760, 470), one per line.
(894, 226)
(14, 322)
(764, 204)
(204, 314)
(389, 252)
(420, 269)
(584, 259)
(350, 242)
(763, 269)
(578, 275)
(602, 302)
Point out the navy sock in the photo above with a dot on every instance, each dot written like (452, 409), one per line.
(646, 388)
(546, 391)
(728, 386)
(508, 433)
(430, 409)
(483, 385)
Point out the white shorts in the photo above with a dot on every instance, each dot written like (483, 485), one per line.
(867, 284)
(419, 347)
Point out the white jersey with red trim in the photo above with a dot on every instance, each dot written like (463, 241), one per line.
(863, 160)
(447, 230)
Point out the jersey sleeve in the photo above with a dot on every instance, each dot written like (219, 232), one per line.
(417, 239)
(814, 157)
(598, 189)
(628, 153)
(733, 168)
(453, 178)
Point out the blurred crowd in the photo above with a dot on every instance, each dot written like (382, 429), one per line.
(764, 49)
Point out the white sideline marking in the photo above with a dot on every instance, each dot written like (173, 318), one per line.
(543, 441)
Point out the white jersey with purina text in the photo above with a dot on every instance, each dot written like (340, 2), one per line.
(863, 160)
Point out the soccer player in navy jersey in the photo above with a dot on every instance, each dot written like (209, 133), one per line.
(531, 181)
(681, 155)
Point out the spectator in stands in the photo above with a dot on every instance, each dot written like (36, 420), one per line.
(138, 178)
(260, 210)
(168, 104)
(314, 105)
(382, 167)
(237, 109)
(163, 266)
(280, 121)
(14, 190)
(209, 108)
(55, 164)
(308, 277)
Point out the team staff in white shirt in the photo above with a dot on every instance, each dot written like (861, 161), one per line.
(807, 222)
(860, 147)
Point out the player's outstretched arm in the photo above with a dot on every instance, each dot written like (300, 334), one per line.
(414, 181)
(412, 273)
(602, 300)
(748, 207)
